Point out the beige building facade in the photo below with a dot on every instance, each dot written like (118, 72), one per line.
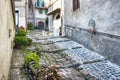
(7, 32)
(56, 13)
(37, 13)
(20, 8)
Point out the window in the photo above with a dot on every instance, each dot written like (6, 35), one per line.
(46, 11)
(40, 11)
(76, 4)
(57, 16)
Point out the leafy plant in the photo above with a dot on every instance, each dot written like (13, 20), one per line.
(21, 33)
(29, 26)
(21, 40)
(32, 56)
(29, 41)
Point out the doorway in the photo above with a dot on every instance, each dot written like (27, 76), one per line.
(41, 25)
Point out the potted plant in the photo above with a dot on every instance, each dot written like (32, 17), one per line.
(21, 33)
(32, 57)
(20, 41)
(29, 41)
(29, 26)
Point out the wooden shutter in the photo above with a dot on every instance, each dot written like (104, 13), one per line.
(76, 4)
(73, 5)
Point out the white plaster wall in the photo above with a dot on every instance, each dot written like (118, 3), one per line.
(57, 25)
(104, 12)
(20, 6)
(38, 15)
(50, 23)
(6, 42)
(57, 4)
(54, 24)
(20, 3)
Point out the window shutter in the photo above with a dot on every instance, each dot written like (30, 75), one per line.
(73, 5)
(76, 4)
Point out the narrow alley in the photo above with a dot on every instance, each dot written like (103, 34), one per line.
(75, 61)
(59, 39)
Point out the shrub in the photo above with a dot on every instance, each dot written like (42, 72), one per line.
(29, 41)
(21, 33)
(30, 26)
(21, 40)
(32, 56)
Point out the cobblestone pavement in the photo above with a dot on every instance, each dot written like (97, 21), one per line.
(76, 62)
(90, 61)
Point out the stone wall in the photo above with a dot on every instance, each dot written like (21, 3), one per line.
(105, 38)
(7, 32)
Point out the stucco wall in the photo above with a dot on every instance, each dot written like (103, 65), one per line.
(55, 24)
(38, 15)
(50, 23)
(7, 31)
(21, 7)
(106, 14)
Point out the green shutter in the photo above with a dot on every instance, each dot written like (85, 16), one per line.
(46, 11)
(40, 11)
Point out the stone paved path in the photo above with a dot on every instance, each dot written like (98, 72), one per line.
(90, 61)
(69, 68)
(76, 62)
(16, 71)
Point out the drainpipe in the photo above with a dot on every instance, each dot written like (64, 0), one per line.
(26, 13)
(62, 20)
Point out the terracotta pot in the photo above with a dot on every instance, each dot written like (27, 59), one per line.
(18, 46)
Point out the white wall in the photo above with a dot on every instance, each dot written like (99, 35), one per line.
(105, 13)
(57, 25)
(54, 24)
(38, 15)
(20, 6)
(50, 23)
(7, 28)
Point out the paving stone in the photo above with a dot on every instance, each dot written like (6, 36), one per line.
(84, 55)
(79, 78)
(57, 39)
(68, 44)
(104, 70)
(84, 72)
